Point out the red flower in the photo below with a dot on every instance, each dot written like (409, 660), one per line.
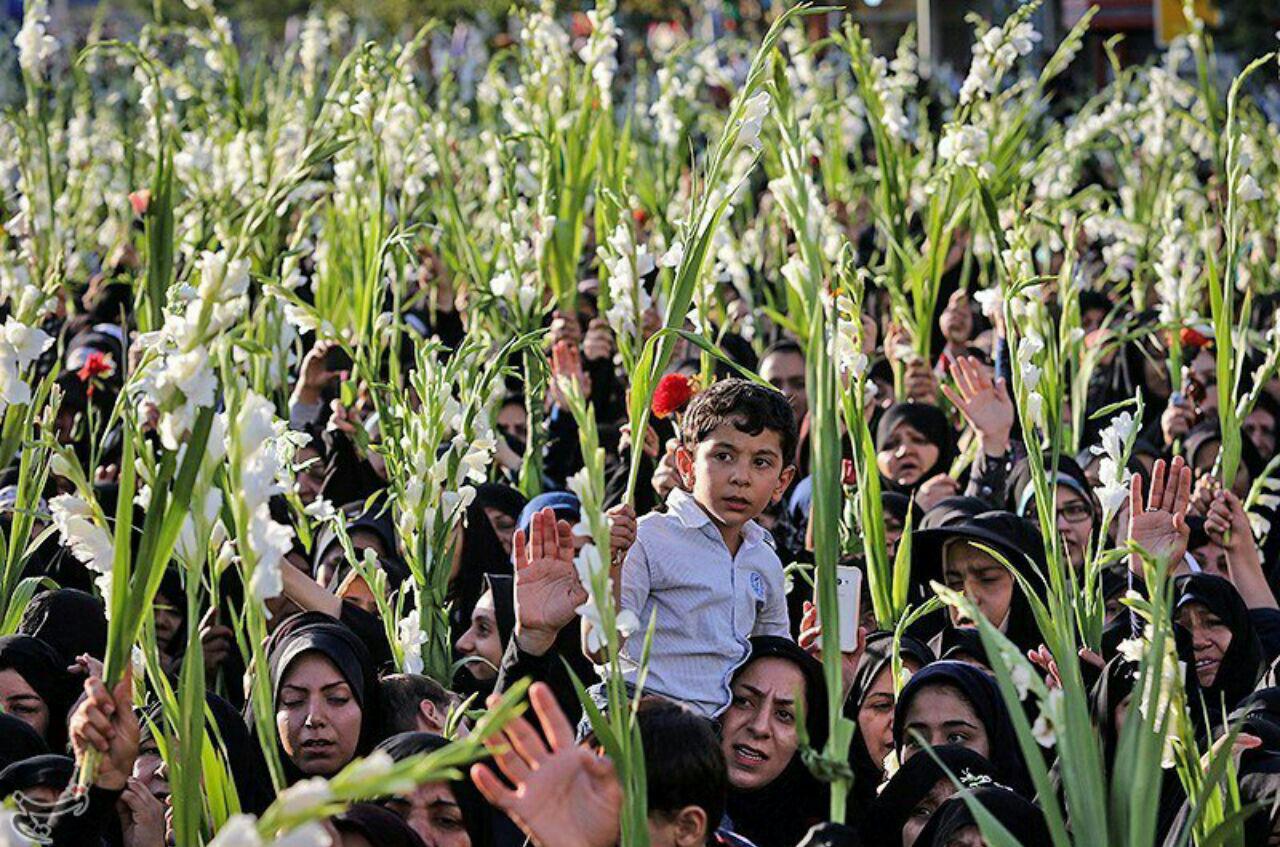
(140, 200)
(639, 216)
(1194, 338)
(848, 472)
(97, 364)
(672, 394)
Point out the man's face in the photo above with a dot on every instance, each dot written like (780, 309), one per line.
(784, 370)
(734, 476)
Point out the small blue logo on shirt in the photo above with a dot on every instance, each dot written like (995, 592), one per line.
(757, 585)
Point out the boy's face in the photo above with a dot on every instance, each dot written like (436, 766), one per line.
(735, 476)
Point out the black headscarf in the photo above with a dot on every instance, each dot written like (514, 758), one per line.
(377, 826)
(244, 759)
(46, 673)
(912, 783)
(1016, 539)
(314, 632)
(18, 741)
(482, 553)
(1116, 683)
(780, 813)
(929, 421)
(1024, 820)
(1259, 714)
(1243, 664)
(503, 587)
(476, 813)
(952, 510)
(45, 771)
(876, 657)
(1018, 491)
(979, 688)
(504, 498)
(898, 505)
(72, 622)
(1259, 781)
(963, 645)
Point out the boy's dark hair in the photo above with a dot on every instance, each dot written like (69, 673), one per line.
(683, 763)
(748, 406)
(403, 693)
(786, 345)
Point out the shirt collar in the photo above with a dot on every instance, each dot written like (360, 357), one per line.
(685, 509)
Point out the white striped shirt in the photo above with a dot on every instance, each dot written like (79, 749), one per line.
(708, 602)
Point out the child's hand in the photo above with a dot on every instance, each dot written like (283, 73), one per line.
(811, 632)
(622, 532)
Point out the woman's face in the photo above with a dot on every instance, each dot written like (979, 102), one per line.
(907, 455)
(875, 716)
(504, 526)
(481, 642)
(357, 592)
(149, 769)
(758, 730)
(1210, 637)
(168, 621)
(939, 715)
(969, 836)
(432, 811)
(317, 716)
(21, 700)
(982, 579)
(310, 474)
(923, 811)
(1074, 521)
(892, 534)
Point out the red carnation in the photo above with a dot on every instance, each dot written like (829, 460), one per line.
(848, 472)
(140, 201)
(1194, 338)
(673, 393)
(96, 364)
(639, 216)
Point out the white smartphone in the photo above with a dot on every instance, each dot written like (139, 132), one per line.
(848, 604)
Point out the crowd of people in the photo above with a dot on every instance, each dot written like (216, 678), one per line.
(732, 669)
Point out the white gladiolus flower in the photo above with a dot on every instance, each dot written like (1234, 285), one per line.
(303, 797)
(757, 109)
(90, 543)
(1035, 408)
(1132, 649)
(1042, 729)
(411, 639)
(239, 831)
(1020, 673)
(35, 45)
(1249, 190)
(311, 834)
(673, 257)
(966, 146)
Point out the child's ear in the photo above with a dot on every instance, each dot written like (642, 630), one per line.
(691, 827)
(784, 482)
(684, 464)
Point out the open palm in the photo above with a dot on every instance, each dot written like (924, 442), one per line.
(547, 590)
(564, 795)
(984, 403)
(1160, 528)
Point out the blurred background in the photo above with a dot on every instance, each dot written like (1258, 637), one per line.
(1242, 28)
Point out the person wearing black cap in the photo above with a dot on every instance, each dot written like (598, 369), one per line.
(951, 702)
(923, 783)
(36, 687)
(954, 824)
(870, 705)
(325, 694)
(952, 555)
(773, 797)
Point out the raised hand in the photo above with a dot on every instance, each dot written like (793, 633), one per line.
(622, 531)
(566, 367)
(564, 795)
(1160, 527)
(1227, 524)
(811, 632)
(547, 590)
(984, 403)
(314, 375)
(104, 721)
